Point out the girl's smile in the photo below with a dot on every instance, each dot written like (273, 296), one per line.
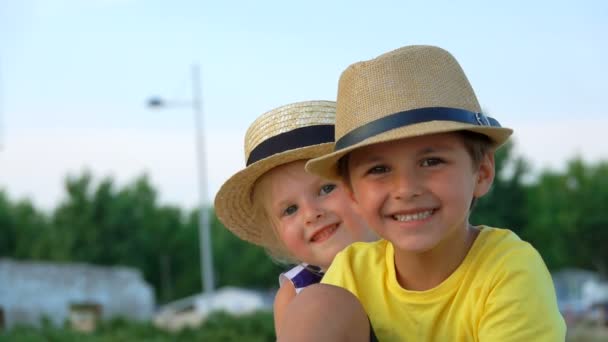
(314, 218)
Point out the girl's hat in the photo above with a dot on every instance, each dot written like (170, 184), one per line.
(411, 91)
(297, 131)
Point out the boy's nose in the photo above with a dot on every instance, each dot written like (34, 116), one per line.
(406, 185)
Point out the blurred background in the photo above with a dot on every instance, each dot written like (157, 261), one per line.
(120, 119)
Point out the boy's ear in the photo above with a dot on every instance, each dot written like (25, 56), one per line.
(485, 175)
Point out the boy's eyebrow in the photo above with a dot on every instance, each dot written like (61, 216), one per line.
(435, 148)
(427, 149)
(368, 159)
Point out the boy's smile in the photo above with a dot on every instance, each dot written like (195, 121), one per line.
(416, 192)
(413, 216)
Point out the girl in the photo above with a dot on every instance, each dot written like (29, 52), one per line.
(273, 202)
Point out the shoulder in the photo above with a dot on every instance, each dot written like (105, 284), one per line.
(520, 289)
(365, 249)
(291, 273)
(502, 248)
(300, 276)
(358, 253)
(357, 260)
(505, 261)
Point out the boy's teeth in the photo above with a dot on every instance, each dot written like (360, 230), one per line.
(413, 217)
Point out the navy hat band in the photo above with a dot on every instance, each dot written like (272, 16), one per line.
(291, 140)
(410, 117)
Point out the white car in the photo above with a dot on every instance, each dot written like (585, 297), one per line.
(192, 311)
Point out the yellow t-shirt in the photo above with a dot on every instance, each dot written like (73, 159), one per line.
(502, 291)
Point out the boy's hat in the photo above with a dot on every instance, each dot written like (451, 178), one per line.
(297, 131)
(411, 91)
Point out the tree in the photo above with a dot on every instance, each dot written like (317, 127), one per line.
(570, 220)
(103, 225)
(19, 223)
(239, 263)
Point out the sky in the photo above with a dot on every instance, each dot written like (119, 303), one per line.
(75, 77)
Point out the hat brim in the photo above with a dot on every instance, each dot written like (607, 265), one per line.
(234, 204)
(327, 166)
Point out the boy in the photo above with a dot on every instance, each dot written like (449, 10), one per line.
(416, 152)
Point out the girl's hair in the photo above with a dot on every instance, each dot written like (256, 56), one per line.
(274, 246)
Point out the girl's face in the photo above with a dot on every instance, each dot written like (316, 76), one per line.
(314, 218)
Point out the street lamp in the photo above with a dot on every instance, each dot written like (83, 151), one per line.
(203, 224)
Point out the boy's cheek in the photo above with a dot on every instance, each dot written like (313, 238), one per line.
(351, 194)
(349, 190)
(358, 191)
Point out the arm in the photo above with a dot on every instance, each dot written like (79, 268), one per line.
(522, 305)
(325, 313)
(284, 296)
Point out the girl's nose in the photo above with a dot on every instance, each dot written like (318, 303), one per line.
(313, 212)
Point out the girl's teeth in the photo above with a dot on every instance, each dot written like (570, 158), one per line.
(413, 217)
(326, 232)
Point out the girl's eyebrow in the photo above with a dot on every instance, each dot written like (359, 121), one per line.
(283, 204)
(278, 207)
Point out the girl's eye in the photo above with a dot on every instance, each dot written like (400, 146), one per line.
(290, 210)
(378, 169)
(326, 189)
(431, 162)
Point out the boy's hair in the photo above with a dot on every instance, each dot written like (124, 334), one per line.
(476, 144)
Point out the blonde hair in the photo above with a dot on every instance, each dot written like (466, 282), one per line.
(273, 245)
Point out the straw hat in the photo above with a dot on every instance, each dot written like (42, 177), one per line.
(411, 91)
(297, 131)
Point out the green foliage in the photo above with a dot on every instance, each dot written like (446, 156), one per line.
(100, 223)
(257, 327)
(563, 214)
(239, 257)
(570, 216)
(19, 222)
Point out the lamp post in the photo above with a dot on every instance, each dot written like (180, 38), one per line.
(203, 224)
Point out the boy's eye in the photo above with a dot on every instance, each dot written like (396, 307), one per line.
(430, 162)
(378, 169)
(326, 189)
(290, 210)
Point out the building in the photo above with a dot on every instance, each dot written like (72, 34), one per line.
(32, 290)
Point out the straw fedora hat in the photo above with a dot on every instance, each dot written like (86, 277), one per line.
(411, 91)
(297, 131)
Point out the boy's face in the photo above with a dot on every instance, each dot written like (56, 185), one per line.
(416, 192)
(315, 218)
